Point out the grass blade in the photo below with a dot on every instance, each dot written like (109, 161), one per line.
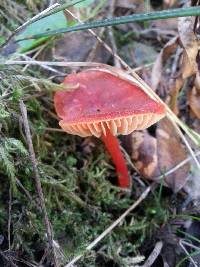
(165, 14)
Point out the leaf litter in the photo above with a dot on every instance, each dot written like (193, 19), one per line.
(76, 177)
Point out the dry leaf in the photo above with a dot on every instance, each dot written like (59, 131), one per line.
(171, 152)
(165, 53)
(71, 48)
(194, 101)
(192, 187)
(131, 4)
(194, 97)
(169, 3)
(189, 42)
(155, 156)
(175, 88)
(144, 154)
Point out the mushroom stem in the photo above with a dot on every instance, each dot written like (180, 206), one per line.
(112, 144)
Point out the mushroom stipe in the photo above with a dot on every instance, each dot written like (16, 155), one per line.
(105, 106)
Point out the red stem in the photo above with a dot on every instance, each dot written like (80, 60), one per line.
(112, 145)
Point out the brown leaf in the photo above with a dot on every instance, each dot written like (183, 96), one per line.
(192, 187)
(71, 48)
(189, 42)
(165, 53)
(155, 156)
(169, 3)
(171, 152)
(144, 154)
(131, 4)
(194, 101)
(175, 88)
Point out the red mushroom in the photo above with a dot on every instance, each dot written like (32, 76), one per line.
(105, 105)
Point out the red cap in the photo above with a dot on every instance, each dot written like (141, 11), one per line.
(99, 100)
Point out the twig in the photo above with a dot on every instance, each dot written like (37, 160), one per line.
(70, 64)
(179, 165)
(111, 227)
(154, 254)
(9, 215)
(40, 264)
(50, 63)
(36, 176)
(27, 194)
(189, 244)
(7, 259)
(43, 66)
(188, 254)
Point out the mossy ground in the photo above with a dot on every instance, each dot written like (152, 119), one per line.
(77, 177)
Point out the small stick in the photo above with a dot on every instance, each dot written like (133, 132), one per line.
(36, 176)
(154, 254)
(2, 254)
(9, 215)
(188, 254)
(111, 227)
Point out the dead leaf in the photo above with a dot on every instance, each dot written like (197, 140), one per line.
(161, 24)
(169, 3)
(194, 101)
(175, 88)
(189, 42)
(71, 48)
(137, 5)
(165, 53)
(192, 187)
(171, 152)
(154, 156)
(144, 154)
(137, 54)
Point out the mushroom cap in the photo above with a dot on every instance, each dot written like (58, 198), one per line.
(99, 101)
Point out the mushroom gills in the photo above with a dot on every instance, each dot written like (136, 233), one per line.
(122, 126)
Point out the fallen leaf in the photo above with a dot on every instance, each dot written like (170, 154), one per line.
(154, 156)
(161, 24)
(194, 101)
(189, 42)
(192, 187)
(71, 48)
(175, 88)
(131, 4)
(170, 153)
(169, 3)
(165, 53)
(144, 153)
(137, 54)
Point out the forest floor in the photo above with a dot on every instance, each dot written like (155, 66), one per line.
(59, 198)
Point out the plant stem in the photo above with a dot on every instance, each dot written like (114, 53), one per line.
(164, 14)
(112, 144)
